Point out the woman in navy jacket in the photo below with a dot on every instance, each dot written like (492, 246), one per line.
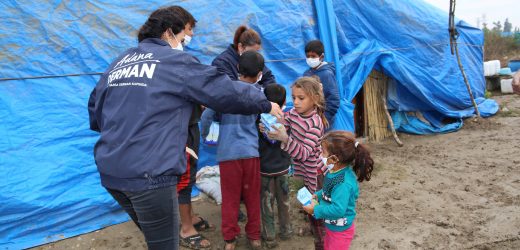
(227, 62)
(141, 106)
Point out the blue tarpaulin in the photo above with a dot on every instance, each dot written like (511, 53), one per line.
(51, 188)
(409, 42)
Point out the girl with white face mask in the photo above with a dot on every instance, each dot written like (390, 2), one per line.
(348, 162)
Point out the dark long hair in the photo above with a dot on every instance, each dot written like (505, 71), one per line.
(186, 16)
(159, 21)
(246, 37)
(342, 144)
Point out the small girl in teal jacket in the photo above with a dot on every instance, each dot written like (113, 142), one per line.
(348, 162)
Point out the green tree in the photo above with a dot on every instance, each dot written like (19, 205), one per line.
(498, 26)
(507, 26)
(484, 27)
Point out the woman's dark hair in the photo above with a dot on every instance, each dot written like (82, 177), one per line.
(159, 21)
(250, 63)
(315, 46)
(185, 15)
(342, 144)
(245, 36)
(275, 93)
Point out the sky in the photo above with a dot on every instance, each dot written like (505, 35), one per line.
(494, 10)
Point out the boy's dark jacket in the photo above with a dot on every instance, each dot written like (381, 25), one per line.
(273, 160)
(327, 74)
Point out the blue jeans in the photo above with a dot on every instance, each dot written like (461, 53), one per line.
(155, 212)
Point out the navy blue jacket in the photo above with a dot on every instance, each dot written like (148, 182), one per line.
(237, 137)
(327, 74)
(142, 106)
(227, 62)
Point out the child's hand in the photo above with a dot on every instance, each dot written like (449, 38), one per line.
(310, 208)
(261, 127)
(279, 134)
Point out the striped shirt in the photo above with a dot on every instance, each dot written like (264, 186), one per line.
(304, 145)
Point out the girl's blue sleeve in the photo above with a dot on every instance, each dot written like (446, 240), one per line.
(337, 208)
(318, 194)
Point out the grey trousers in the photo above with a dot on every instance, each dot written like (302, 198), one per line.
(155, 212)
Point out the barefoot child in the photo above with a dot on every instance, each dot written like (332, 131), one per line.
(301, 137)
(348, 162)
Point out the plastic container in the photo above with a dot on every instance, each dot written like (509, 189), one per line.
(506, 86)
(514, 65)
(505, 71)
(491, 68)
(269, 120)
(304, 196)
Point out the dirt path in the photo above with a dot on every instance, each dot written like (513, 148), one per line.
(453, 191)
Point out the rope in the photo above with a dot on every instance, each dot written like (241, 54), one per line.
(278, 60)
(51, 76)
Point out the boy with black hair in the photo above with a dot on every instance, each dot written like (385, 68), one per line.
(274, 166)
(315, 54)
(239, 162)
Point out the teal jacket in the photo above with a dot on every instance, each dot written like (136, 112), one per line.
(338, 198)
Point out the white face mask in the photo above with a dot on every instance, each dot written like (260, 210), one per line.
(313, 62)
(187, 40)
(330, 166)
(259, 78)
(179, 44)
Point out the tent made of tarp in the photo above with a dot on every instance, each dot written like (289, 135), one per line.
(52, 53)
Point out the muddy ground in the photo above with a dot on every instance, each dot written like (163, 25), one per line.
(453, 191)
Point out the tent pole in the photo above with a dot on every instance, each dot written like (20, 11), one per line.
(391, 123)
(453, 45)
(466, 81)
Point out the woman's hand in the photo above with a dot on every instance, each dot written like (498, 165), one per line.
(276, 111)
(279, 134)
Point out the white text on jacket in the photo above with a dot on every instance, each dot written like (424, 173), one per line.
(136, 65)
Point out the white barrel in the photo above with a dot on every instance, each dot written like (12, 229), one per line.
(506, 86)
(491, 68)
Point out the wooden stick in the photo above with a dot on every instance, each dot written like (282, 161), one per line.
(466, 82)
(391, 123)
